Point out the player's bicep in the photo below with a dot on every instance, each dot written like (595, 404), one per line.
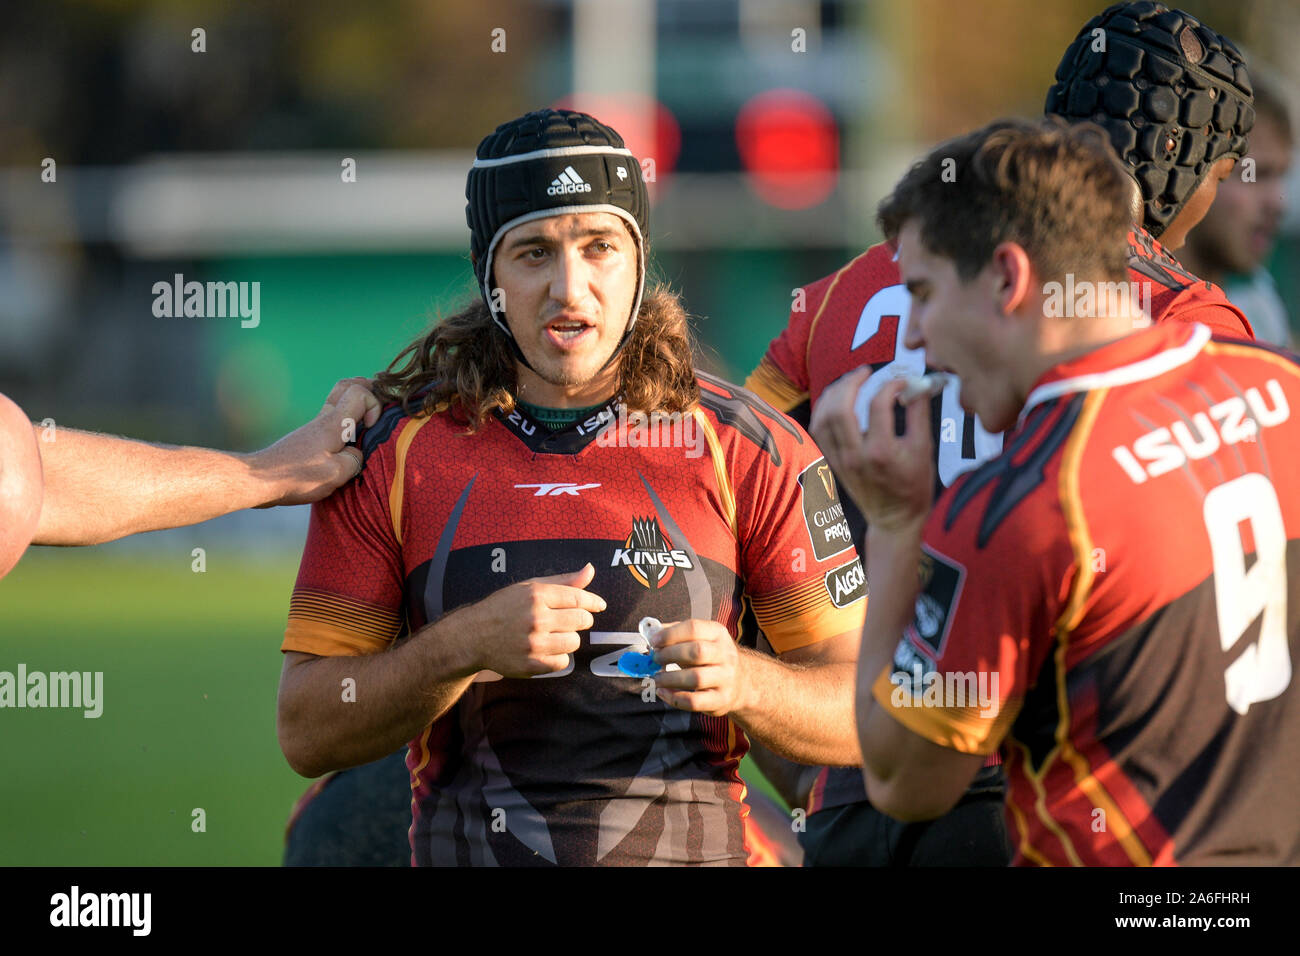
(296, 674)
(840, 649)
(295, 689)
(295, 664)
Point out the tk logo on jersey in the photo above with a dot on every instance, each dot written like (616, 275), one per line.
(555, 489)
(649, 556)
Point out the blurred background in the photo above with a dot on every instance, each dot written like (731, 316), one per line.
(320, 151)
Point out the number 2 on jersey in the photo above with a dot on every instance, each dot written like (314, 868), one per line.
(895, 300)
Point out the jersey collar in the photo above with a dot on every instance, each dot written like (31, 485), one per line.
(566, 441)
(1134, 358)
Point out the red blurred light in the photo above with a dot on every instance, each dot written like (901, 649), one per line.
(789, 145)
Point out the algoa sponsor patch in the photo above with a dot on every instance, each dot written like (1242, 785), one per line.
(649, 556)
(847, 583)
(823, 514)
(936, 604)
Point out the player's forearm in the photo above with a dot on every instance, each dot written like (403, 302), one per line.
(99, 488)
(338, 712)
(801, 712)
(894, 559)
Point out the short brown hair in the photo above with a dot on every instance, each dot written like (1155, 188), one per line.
(1055, 189)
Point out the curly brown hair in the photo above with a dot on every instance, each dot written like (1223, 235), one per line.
(471, 366)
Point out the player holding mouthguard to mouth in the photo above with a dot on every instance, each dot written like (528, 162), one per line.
(1175, 100)
(1124, 576)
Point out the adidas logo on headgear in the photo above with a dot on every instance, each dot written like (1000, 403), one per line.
(568, 182)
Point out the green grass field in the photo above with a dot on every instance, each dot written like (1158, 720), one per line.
(191, 662)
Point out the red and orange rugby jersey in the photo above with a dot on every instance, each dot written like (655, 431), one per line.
(851, 318)
(858, 315)
(1115, 600)
(685, 517)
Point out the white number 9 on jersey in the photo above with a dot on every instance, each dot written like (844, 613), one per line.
(1263, 670)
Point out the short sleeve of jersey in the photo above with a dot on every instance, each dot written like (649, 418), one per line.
(801, 569)
(348, 596)
(781, 377)
(983, 623)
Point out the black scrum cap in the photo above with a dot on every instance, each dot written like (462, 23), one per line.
(549, 163)
(1173, 95)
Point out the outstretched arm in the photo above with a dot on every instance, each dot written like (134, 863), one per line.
(99, 488)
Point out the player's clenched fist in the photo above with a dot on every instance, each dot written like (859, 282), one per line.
(532, 627)
(712, 678)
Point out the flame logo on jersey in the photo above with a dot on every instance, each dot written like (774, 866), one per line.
(649, 556)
